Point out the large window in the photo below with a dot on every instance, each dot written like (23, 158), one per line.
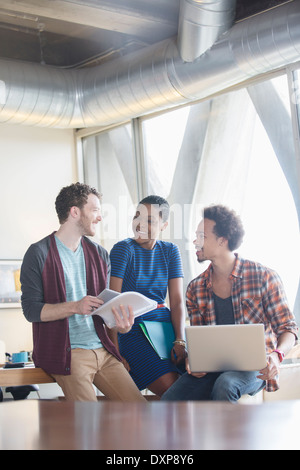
(238, 149)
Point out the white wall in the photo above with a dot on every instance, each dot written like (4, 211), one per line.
(35, 163)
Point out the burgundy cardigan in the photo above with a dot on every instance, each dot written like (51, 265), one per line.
(42, 280)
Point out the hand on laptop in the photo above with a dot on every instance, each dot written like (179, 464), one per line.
(199, 375)
(272, 369)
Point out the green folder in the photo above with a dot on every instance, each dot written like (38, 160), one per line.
(160, 335)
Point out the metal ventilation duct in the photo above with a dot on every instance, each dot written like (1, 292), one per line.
(201, 23)
(149, 80)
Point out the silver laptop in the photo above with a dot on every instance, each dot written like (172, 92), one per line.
(216, 348)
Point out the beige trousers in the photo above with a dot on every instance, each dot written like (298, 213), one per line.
(98, 367)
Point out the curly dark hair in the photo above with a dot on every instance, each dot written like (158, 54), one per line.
(164, 208)
(73, 195)
(228, 224)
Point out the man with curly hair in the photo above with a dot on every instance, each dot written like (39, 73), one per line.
(61, 276)
(233, 290)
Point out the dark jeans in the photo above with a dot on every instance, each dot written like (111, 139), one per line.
(221, 386)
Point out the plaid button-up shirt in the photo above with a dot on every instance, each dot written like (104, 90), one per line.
(257, 297)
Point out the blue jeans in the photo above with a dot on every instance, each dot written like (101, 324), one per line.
(219, 386)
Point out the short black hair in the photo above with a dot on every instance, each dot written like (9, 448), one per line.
(74, 195)
(228, 224)
(163, 205)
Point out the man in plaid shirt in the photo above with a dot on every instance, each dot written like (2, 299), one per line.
(234, 290)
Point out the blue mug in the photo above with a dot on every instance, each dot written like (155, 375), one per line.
(20, 357)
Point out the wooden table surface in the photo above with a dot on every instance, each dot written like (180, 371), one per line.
(24, 376)
(186, 426)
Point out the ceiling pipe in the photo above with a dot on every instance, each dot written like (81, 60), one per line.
(149, 80)
(201, 23)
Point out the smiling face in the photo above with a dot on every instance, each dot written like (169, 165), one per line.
(147, 225)
(89, 216)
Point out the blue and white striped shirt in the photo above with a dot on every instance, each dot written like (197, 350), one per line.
(146, 271)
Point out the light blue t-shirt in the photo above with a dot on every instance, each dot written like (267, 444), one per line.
(81, 327)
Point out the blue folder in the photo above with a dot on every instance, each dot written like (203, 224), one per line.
(160, 335)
